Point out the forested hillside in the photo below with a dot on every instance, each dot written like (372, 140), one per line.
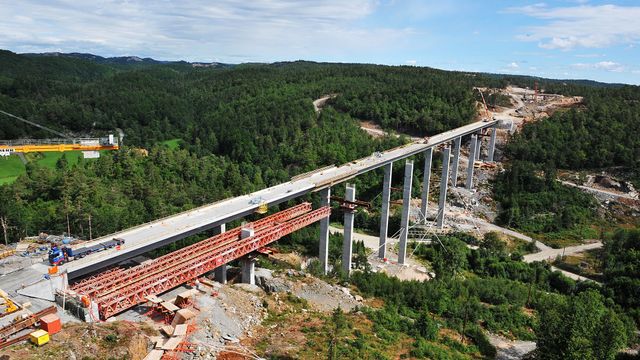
(242, 128)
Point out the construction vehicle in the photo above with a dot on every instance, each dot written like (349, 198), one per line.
(9, 305)
(59, 255)
(89, 146)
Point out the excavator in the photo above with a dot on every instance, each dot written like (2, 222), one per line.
(89, 146)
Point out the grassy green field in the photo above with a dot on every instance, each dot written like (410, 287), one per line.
(172, 144)
(12, 167)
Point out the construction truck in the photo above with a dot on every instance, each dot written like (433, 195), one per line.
(59, 255)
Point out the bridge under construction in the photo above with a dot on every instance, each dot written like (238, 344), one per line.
(115, 290)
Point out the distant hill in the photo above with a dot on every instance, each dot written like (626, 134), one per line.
(126, 60)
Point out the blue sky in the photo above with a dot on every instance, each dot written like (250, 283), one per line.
(579, 39)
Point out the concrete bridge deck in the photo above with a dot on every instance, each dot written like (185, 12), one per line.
(146, 237)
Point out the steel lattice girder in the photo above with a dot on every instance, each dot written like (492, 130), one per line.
(84, 285)
(172, 277)
(97, 287)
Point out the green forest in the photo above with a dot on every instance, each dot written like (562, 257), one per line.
(212, 133)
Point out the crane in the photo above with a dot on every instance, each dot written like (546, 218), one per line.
(486, 109)
(89, 146)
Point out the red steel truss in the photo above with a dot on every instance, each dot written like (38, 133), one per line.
(101, 284)
(173, 275)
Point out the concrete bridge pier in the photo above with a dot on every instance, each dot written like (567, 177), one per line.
(472, 155)
(347, 244)
(444, 180)
(428, 155)
(220, 273)
(457, 142)
(406, 207)
(492, 143)
(325, 197)
(248, 269)
(478, 144)
(248, 262)
(384, 211)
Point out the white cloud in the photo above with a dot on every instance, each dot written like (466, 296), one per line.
(411, 62)
(199, 30)
(513, 65)
(584, 26)
(602, 65)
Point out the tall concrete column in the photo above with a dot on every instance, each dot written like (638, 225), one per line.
(347, 243)
(248, 266)
(472, 155)
(492, 143)
(384, 211)
(406, 207)
(446, 155)
(478, 145)
(456, 159)
(220, 273)
(428, 154)
(325, 196)
(248, 262)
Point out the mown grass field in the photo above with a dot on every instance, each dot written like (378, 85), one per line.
(12, 167)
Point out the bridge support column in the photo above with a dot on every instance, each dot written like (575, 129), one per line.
(325, 196)
(347, 243)
(220, 273)
(406, 208)
(472, 155)
(384, 211)
(248, 265)
(248, 262)
(478, 145)
(456, 159)
(442, 201)
(428, 154)
(492, 143)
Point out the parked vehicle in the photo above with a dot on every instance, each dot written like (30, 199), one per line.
(59, 255)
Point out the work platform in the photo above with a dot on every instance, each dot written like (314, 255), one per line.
(146, 237)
